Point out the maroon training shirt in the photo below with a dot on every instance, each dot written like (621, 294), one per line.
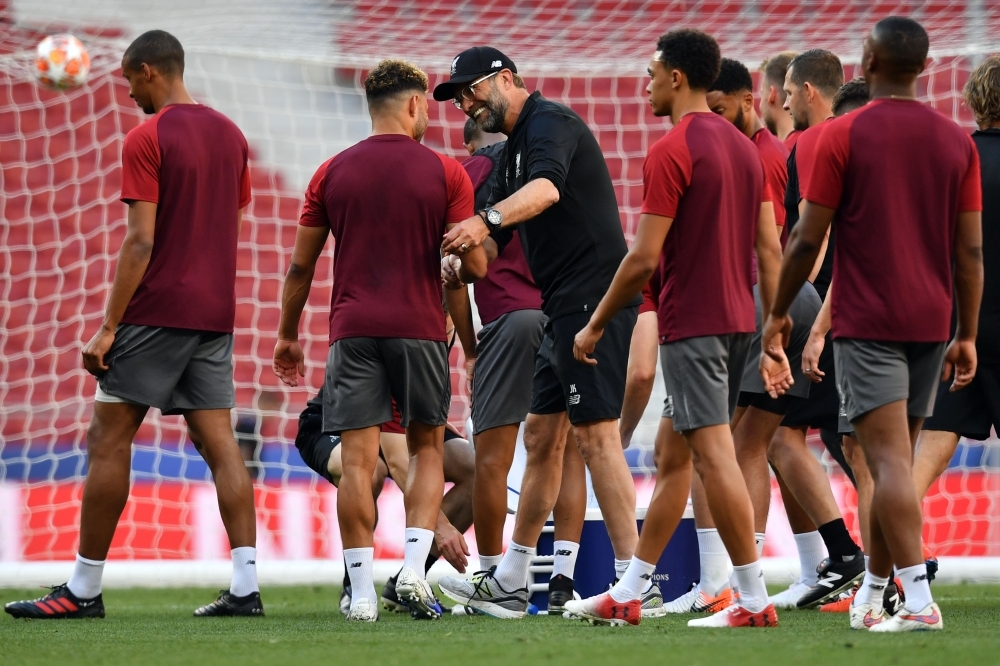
(508, 286)
(774, 155)
(387, 201)
(708, 177)
(898, 174)
(191, 161)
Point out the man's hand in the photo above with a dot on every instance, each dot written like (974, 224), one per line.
(584, 343)
(465, 235)
(450, 265)
(960, 355)
(93, 353)
(810, 357)
(777, 374)
(470, 372)
(289, 361)
(451, 544)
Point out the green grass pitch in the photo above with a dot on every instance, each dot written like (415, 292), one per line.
(303, 627)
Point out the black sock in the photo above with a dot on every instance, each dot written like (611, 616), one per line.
(838, 540)
(431, 559)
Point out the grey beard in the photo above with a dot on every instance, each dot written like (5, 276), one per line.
(496, 111)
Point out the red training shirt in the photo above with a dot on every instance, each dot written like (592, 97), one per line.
(792, 139)
(708, 177)
(508, 286)
(898, 174)
(191, 161)
(387, 201)
(774, 155)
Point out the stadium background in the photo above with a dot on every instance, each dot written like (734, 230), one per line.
(289, 74)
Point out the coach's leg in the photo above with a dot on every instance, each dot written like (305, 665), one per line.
(934, 451)
(569, 513)
(211, 431)
(109, 462)
(494, 455)
(544, 440)
(601, 449)
(571, 505)
(425, 482)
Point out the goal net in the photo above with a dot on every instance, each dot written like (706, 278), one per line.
(290, 74)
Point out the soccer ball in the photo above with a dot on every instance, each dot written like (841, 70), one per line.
(62, 62)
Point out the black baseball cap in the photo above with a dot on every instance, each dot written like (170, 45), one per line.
(468, 66)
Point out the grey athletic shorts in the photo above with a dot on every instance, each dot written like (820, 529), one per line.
(871, 373)
(803, 312)
(173, 369)
(501, 383)
(364, 375)
(702, 378)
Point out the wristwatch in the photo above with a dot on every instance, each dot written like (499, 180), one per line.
(493, 218)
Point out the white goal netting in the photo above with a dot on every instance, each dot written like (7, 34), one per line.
(289, 74)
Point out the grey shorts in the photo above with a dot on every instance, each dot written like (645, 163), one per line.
(364, 376)
(173, 369)
(803, 312)
(872, 373)
(702, 378)
(501, 385)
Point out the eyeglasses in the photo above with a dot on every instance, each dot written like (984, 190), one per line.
(469, 91)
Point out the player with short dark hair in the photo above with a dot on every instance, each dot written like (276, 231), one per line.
(387, 324)
(167, 336)
(555, 187)
(704, 214)
(852, 96)
(772, 97)
(902, 184)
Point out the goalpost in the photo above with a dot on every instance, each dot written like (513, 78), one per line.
(290, 75)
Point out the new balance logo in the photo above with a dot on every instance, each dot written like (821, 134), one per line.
(356, 565)
(645, 576)
(87, 604)
(413, 540)
(830, 580)
(574, 399)
(496, 63)
(877, 587)
(920, 577)
(520, 550)
(254, 562)
(565, 553)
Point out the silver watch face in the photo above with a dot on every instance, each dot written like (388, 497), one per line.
(494, 217)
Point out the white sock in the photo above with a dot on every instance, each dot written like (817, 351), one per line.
(915, 587)
(750, 581)
(487, 562)
(714, 562)
(564, 560)
(86, 580)
(621, 566)
(512, 572)
(812, 551)
(359, 568)
(244, 571)
(634, 581)
(418, 547)
(758, 538)
(871, 590)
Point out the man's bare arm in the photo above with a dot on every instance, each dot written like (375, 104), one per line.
(133, 259)
(968, 255)
(289, 361)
